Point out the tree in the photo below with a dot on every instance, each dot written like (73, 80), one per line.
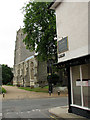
(7, 74)
(40, 29)
(54, 78)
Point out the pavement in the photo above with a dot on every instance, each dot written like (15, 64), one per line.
(14, 92)
(62, 112)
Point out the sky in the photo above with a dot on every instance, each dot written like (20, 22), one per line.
(11, 19)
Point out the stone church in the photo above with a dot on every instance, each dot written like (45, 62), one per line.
(28, 71)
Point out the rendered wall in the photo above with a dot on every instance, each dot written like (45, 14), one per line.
(72, 21)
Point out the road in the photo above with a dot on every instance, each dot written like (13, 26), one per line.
(31, 108)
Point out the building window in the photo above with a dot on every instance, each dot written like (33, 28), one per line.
(80, 83)
(76, 88)
(85, 84)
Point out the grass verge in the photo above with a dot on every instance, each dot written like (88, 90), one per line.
(37, 89)
(9, 85)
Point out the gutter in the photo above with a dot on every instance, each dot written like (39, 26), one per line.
(54, 4)
(51, 4)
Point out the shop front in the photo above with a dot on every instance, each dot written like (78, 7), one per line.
(80, 83)
(78, 71)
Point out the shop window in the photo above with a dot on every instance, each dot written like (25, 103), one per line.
(80, 85)
(85, 84)
(76, 88)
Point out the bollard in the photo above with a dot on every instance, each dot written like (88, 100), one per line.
(58, 92)
(3, 94)
(50, 93)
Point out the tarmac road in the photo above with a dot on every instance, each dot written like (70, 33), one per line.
(31, 108)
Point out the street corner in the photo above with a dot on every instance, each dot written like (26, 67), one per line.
(59, 110)
(62, 112)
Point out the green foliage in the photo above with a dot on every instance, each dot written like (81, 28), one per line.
(54, 78)
(3, 90)
(7, 74)
(10, 84)
(40, 29)
(46, 87)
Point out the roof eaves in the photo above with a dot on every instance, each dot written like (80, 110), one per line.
(51, 4)
(54, 4)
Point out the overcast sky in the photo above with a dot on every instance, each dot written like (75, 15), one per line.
(11, 18)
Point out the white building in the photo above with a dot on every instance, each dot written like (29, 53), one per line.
(73, 39)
